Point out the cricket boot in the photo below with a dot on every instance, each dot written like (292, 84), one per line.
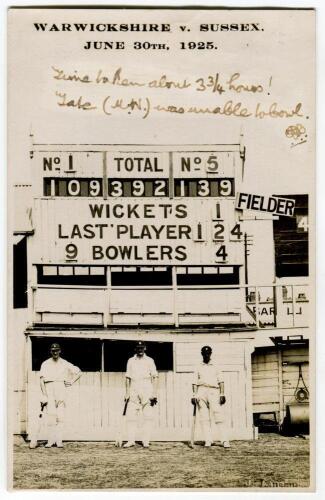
(222, 434)
(146, 429)
(207, 434)
(51, 432)
(130, 433)
(59, 433)
(129, 444)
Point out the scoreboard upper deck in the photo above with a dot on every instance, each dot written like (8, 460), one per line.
(96, 203)
(209, 171)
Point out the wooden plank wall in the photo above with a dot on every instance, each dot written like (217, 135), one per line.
(274, 381)
(265, 380)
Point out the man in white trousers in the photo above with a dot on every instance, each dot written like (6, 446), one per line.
(208, 395)
(141, 394)
(55, 376)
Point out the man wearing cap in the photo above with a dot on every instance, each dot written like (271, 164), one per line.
(55, 376)
(208, 395)
(141, 393)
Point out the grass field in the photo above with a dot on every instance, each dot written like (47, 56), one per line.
(271, 461)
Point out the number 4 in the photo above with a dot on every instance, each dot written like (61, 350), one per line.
(221, 253)
(236, 231)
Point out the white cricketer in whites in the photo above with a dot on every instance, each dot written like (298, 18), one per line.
(56, 375)
(141, 394)
(208, 395)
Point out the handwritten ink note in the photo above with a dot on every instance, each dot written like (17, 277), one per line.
(227, 95)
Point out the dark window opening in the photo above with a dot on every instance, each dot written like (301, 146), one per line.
(71, 275)
(117, 353)
(208, 275)
(87, 353)
(141, 276)
(84, 353)
(20, 274)
(291, 240)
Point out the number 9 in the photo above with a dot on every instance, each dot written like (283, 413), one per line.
(71, 251)
(138, 188)
(94, 187)
(225, 187)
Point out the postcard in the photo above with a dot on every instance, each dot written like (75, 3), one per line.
(161, 168)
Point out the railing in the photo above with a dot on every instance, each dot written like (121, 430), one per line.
(278, 306)
(262, 307)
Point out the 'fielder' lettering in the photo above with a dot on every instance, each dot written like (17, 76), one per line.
(271, 204)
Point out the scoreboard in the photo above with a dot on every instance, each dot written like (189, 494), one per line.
(116, 205)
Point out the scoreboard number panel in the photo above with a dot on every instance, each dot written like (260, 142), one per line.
(218, 230)
(132, 206)
(66, 163)
(221, 254)
(204, 188)
(236, 232)
(134, 165)
(118, 187)
(208, 163)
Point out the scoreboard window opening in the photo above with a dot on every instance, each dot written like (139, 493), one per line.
(136, 188)
(207, 275)
(71, 275)
(141, 276)
(291, 240)
(117, 353)
(87, 353)
(84, 353)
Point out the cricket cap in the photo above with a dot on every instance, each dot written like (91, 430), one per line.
(206, 348)
(140, 344)
(55, 347)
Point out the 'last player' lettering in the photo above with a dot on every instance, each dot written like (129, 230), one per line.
(271, 204)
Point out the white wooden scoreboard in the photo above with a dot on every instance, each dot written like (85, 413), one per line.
(137, 205)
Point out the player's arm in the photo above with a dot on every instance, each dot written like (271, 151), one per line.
(127, 388)
(154, 385)
(222, 393)
(194, 388)
(76, 376)
(43, 387)
(154, 381)
(128, 380)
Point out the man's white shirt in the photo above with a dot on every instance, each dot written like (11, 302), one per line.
(57, 371)
(207, 375)
(141, 368)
